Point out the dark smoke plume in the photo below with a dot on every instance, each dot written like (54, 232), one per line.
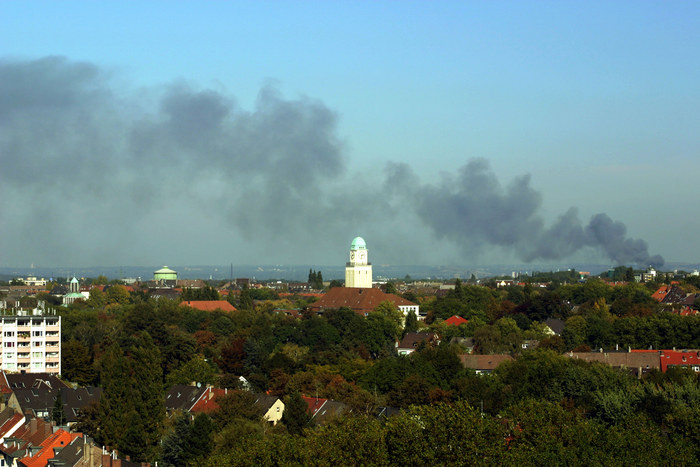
(93, 173)
(472, 208)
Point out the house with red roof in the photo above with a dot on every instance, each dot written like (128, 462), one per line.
(323, 411)
(48, 448)
(361, 300)
(455, 321)
(209, 305)
(679, 358)
(10, 422)
(661, 293)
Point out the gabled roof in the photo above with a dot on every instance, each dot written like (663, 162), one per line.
(455, 320)
(314, 404)
(207, 403)
(483, 362)
(678, 358)
(11, 422)
(59, 439)
(43, 399)
(265, 401)
(647, 360)
(412, 339)
(209, 305)
(11, 381)
(556, 325)
(660, 294)
(183, 397)
(360, 300)
(34, 432)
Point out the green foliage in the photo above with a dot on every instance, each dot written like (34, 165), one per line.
(315, 279)
(132, 407)
(57, 414)
(196, 370)
(296, 416)
(205, 293)
(76, 364)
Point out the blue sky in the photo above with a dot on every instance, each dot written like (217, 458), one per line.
(597, 101)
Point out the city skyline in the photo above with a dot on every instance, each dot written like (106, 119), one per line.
(449, 133)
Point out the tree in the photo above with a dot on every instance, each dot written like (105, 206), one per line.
(132, 409)
(411, 323)
(57, 414)
(174, 443)
(296, 416)
(245, 301)
(76, 363)
(117, 294)
(197, 370)
(198, 442)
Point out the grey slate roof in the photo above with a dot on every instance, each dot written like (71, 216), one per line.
(183, 397)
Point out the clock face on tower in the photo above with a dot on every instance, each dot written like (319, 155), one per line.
(352, 255)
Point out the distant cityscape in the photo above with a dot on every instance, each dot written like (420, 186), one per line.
(297, 272)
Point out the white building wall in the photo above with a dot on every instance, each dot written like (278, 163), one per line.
(31, 344)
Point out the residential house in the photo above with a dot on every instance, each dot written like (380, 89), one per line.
(455, 321)
(182, 397)
(324, 411)
(555, 325)
(271, 407)
(40, 401)
(636, 363)
(10, 421)
(413, 340)
(209, 305)
(361, 300)
(483, 364)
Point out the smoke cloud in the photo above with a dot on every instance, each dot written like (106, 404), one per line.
(94, 173)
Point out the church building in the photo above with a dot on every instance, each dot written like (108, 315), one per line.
(358, 271)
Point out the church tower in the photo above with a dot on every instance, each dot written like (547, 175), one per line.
(358, 271)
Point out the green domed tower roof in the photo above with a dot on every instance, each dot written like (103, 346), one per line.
(358, 243)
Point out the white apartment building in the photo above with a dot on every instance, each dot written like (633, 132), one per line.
(31, 344)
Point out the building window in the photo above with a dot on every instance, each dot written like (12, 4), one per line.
(37, 354)
(37, 333)
(8, 344)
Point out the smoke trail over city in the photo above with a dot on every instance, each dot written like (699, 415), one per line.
(90, 172)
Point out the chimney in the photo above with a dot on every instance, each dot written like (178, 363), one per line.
(32, 425)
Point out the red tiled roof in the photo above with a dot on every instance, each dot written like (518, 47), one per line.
(301, 294)
(59, 439)
(209, 305)
(661, 293)
(207, 403)
(314, 404)
(360, 300)
(455, 320)
(679, 358)
(11, 425)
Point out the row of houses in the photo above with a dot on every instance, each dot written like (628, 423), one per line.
(29, 439)
(637, 362)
